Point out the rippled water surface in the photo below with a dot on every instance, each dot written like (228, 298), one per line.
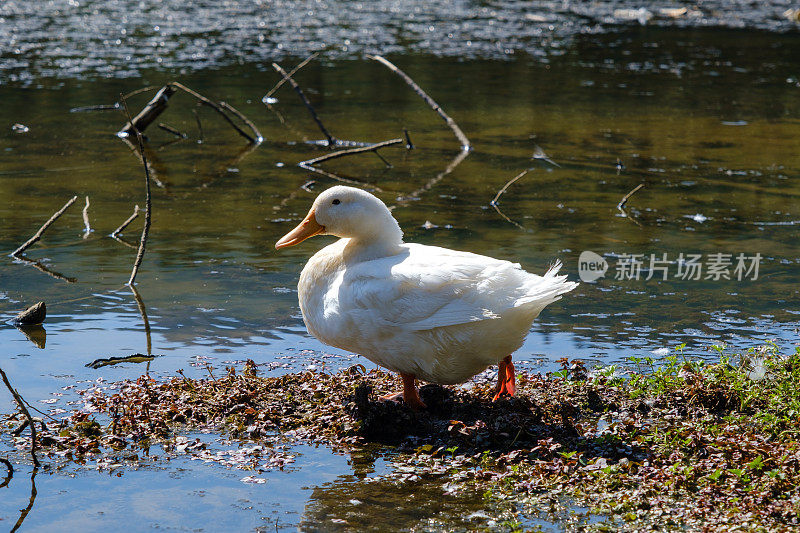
(707, 120)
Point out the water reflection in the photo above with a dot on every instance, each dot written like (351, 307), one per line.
(24, 512)
(36, 334)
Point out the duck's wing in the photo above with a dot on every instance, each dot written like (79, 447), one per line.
(435, 287)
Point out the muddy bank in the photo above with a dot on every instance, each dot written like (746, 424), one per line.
(60, 39)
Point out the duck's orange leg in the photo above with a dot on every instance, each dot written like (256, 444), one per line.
(410, 394)
(506, 381)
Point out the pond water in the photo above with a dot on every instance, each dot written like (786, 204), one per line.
(707, 120)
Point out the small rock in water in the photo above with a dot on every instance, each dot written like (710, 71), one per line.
(31, 316)
(20, 128)
(429, 225)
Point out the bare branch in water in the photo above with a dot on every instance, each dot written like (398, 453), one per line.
(330, 138)
(124, 225)
(624, 200)
(494, 203)
(465, 145)
(149, 113)
(88, 228)
(147, 205)
(621, 205)
(38, 234)
(294, 71)
(349, 151)
(256, 138)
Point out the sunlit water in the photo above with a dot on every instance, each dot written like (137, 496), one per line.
(710, 123)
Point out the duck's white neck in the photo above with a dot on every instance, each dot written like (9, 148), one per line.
(380, 240)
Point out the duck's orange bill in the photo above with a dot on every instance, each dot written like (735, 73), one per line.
(307, 228)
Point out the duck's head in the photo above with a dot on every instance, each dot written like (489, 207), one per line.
(346, 212)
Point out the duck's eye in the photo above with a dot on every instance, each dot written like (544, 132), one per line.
(336, 202)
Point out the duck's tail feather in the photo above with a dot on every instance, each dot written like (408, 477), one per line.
(544, 290)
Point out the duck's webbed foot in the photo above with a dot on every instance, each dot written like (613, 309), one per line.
(410, 394)
(506, 381)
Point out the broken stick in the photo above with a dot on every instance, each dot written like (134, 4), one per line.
(38, 234)
(465, 145)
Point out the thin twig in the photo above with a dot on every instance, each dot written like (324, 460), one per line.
(349, 151)
(494, 203)
(624, 200)
(21, 405)
(330, 138)
(125, 224)
(292, 72)
(147, 205)
(38, 234)
(506, 186)
(465, 145)
(216, 107)
(170, 129)
(88, 230)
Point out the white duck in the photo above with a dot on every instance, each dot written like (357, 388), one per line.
(428, 313)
